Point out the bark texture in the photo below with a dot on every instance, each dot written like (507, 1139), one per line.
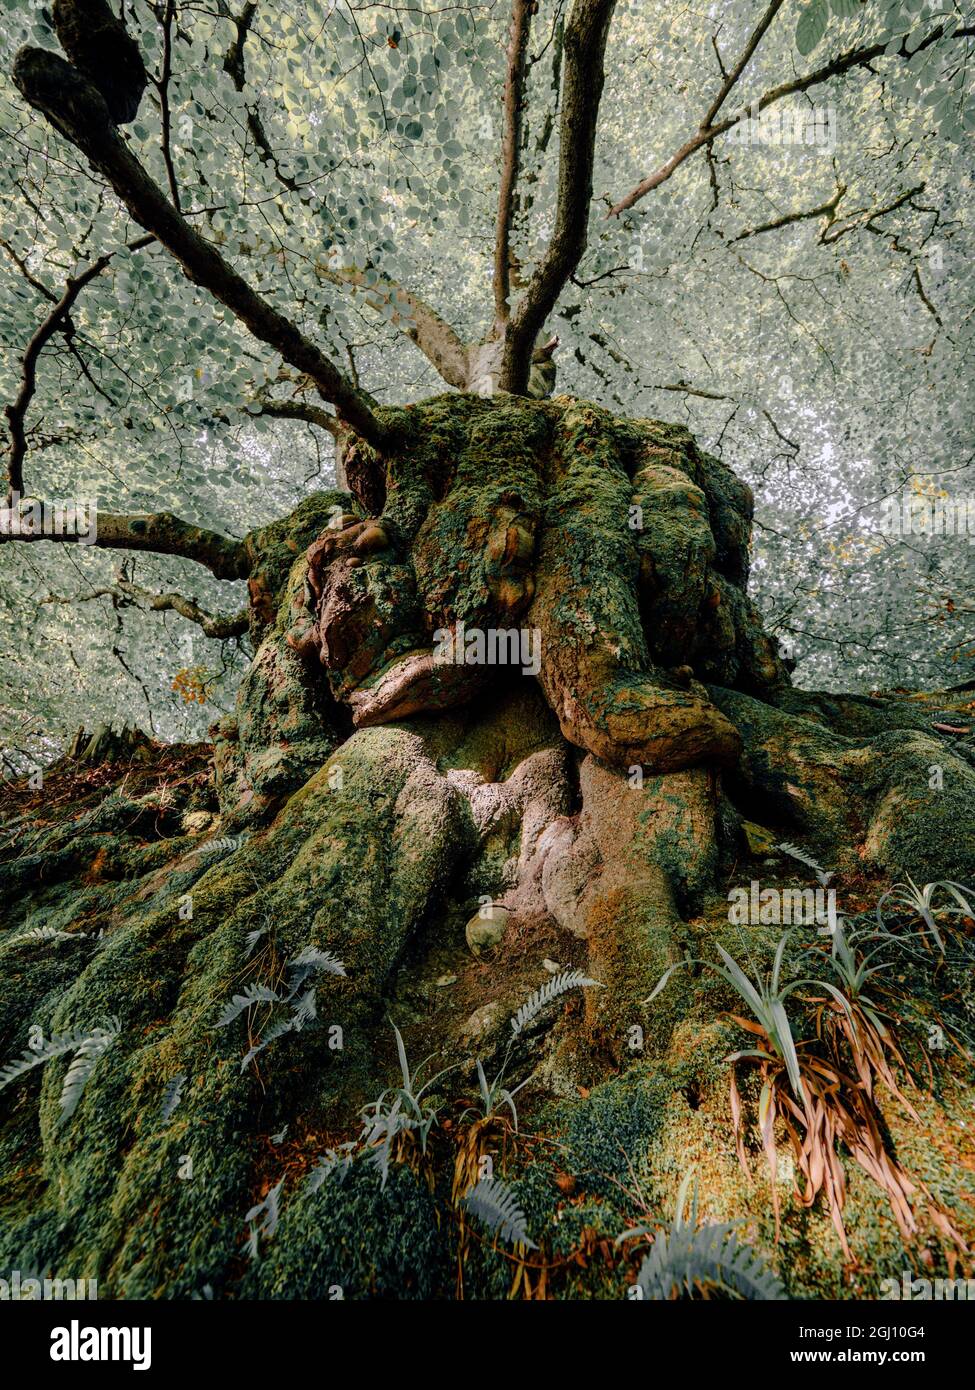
(457, 834)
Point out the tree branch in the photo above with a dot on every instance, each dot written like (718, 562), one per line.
(57, 321)
(827, 210)
(299, 410)
(158, 532)
(213, 625)
(125, 592)
(521, 15)
(732, 77)
(424, 327)
(844, 62)
(582, 88)
(78, 111)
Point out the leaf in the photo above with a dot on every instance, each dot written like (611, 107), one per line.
(333, 1163)
(552, 989)
(496, 1206)
(82, 1066)
(811, 26)
(796, 853)
(844, 9)
(317, 960)
(172, 1095)
(685, 1260)
(276, 1030)
(253, 994)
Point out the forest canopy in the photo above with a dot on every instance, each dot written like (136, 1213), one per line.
(795, 288)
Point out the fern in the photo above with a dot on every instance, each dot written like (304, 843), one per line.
(35, 935)
(689, 1258)
(253, 994)
(304, 1011)
(270, 1211)
(298, 972)
(56, 1046)
(552, 989)
(252, 938)
(228, 845)
(310, 961)
(496, 1206)
(711, 1257)
(276, 1030)
(333, 1163)
(83, 1064)
(172, 1095)
(795, 852)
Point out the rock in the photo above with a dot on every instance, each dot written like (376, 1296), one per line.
(445, 981)
(482, 1021)
(551, 966)
(485, 930)
(196, 822)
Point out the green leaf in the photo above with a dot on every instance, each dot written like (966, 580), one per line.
(811, 26)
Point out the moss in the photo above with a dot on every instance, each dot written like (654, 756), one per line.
(357, 1240)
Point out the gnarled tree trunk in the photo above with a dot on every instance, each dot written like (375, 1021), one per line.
(509, 695)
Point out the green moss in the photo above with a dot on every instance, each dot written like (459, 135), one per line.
(356, 1240)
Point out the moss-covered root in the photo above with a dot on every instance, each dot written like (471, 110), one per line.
(619, 875)
(354, 864)
(899, 799)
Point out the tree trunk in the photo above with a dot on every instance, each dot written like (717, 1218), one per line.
(510, 703)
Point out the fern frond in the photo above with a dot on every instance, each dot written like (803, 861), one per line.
(172, 1095)
(317, 960)
(685, 1260)
(552, 989)
(251, 940)
(52, 1047)
(253, 994)
(276, 1030)
(794, 852)
(494, 1204)
(39, 934)
(270, 1209)
(334, 1162)
(228, 845)
(83, 1064)
(304, 1011)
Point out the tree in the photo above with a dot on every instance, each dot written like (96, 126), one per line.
(207, 248)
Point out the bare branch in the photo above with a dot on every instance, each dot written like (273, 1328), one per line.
(844, 62)
(125, 593)
(827, 210)
(299, 410)
(582, 88)
(74, 107)
(865, 216)
(158, 532)
(57, 321)
(213, 625)
(742, 63)
(424, 327)
(514, 96)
